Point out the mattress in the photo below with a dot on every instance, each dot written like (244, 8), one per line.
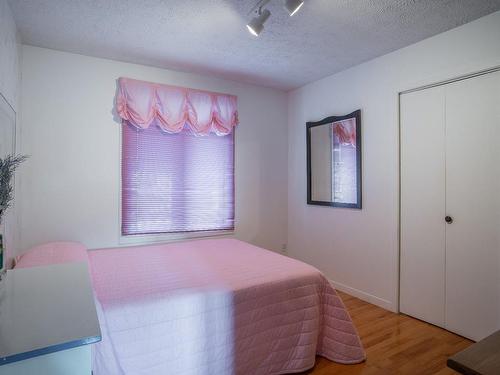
(217, 306)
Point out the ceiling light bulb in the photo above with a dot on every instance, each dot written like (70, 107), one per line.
(293, 6)
(256, 25)
(252, 31)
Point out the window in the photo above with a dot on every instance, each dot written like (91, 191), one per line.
(176, 182)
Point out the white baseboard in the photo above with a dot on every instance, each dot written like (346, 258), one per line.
(385, 304)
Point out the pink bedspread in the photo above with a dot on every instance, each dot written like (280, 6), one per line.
(215, 307)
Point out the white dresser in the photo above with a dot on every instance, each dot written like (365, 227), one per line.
(47, 321)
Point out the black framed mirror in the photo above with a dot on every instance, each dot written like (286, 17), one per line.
(334, 161)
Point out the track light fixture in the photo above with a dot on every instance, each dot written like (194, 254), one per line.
(256, 24)
(293, 6)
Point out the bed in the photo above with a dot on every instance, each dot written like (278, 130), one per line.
(218, 306)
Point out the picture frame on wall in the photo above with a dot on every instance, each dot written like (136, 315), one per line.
(7, 147)
(334, 175)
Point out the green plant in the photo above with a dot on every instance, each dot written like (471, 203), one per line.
(8, 165)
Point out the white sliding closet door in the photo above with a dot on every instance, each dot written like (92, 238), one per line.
(422, 284)
(473, 201)
(450, 205)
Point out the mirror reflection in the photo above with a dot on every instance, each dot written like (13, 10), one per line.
(334, 161)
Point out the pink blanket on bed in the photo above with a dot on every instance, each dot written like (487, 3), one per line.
(215, 307)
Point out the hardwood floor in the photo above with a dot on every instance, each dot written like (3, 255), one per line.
(394, 344)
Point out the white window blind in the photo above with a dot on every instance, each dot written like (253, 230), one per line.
(176, 182)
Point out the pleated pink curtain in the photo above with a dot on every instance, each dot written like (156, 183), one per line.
(142, 103)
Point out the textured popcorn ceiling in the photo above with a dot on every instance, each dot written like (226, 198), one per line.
(209, 36)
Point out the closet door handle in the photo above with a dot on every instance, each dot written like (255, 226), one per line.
(448, 219)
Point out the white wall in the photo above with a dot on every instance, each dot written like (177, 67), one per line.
(70, 186)
(321, 163)
(358, 250)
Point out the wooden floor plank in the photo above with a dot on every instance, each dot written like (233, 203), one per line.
(395, 344)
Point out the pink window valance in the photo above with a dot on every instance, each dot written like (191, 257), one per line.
(345, 131)
(170, 107)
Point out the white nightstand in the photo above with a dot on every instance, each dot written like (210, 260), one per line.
(47, 321)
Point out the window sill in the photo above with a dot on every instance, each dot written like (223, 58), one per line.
(148, 239)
